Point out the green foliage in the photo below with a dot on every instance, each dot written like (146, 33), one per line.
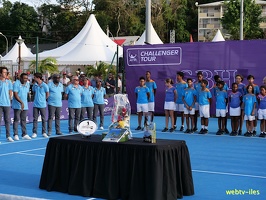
(252, 19)
(100, 68)
(45, 65)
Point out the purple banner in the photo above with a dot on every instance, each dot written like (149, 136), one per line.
(151, 56)
(64, 113)
(223, 58)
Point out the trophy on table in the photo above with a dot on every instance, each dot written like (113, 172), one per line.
(86, 128)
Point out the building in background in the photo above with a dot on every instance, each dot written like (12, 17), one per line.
(209, 16)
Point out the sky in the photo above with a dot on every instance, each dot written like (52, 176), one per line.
(34, 2)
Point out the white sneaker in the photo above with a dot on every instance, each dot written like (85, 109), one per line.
(34, 135)
(16, 138)
(9, 139)
(26, 137)
(45, 135)
(101, 128)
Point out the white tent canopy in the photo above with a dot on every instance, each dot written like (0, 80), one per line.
(64, 49)
(13, 53)
(218, 37)
(94, 46)
(154, 38)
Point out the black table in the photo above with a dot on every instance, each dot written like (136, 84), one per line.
(131, 170)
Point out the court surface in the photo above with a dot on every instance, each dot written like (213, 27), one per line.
(224, 167)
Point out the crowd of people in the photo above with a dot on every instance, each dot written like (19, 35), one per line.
(83, 95)
(192, 99)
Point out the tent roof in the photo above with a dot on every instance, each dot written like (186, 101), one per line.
(64, 49)
(13, 53)
(94, 46)
(218, 37)
(154, 38)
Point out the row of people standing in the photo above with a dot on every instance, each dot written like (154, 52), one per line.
(80, 99)
(193, 99)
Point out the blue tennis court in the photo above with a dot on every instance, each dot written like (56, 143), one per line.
(224, 167)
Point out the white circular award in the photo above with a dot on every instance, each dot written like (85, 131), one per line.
(86, 127)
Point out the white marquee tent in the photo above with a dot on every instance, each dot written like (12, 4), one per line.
(94, 46)
(218, 37)
(12, 55)
(154, 38)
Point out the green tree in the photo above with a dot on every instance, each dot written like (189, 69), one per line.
(101, 68)
(45, 65)
(252, 19)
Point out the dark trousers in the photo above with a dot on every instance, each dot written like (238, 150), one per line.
(6, 111)
(54, 111)
(36, 112)
(74, 115)
(20, 115)
(89, 113)
(99, 107)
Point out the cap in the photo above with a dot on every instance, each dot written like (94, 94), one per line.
(56, 75)
(64, 73)
(81, 73)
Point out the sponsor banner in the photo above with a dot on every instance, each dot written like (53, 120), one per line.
(64, 112)
(225, 59)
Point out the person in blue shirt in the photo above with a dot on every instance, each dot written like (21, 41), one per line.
(189, 98)
(249, 101)
(251, 79)
(235, 102)
(21, 89)
(73, 95)
(41, 93)
(56, 90)
(241, 88)
(197, 86)
(169, 104)
(261, 98)
(87, 100)
(152, 87)
(5, 96)
(180, 86)
(142, 95)
(99, 95)
(221, 105)
(204, 106)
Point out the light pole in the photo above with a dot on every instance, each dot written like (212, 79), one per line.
(19, 41)
(6, 41)
(241, 19)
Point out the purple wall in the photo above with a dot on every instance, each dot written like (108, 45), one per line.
(223, 58)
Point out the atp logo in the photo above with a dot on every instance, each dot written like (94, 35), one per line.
(106, 101)
(132, 58)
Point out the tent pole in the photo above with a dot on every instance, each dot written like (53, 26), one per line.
(37, 51)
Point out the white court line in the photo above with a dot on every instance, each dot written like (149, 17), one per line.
(30, 154)
(16, 152)
(230, 174)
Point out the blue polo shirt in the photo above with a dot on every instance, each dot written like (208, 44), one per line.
(197, 87)
(99, 94)
(40, 95)
(5, 87)
(221, 96)
(142, 94)
(249, 100)
(86, 97)
(22, 91)
(204, 97)
(189, 94)
(55, 94)
(235, 99)
(170, 94)
(256, 89)
(74, 96)
(241, 88)
(262, 100)
(152, 86)
(180, 87)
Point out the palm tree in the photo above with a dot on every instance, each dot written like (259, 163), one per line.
(100, 69)
(46, 65)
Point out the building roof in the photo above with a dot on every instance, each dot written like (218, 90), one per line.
(219, 3)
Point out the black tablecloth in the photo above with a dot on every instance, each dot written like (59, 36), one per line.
(131, 170)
